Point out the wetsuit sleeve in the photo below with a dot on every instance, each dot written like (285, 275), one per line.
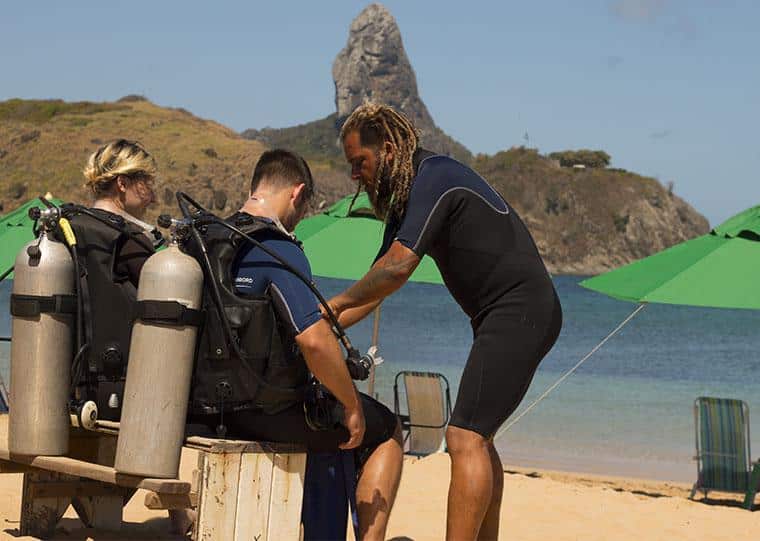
(389, 235)
(258, 272)
(427, 212)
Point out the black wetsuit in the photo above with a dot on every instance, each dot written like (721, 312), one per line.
(492, 268)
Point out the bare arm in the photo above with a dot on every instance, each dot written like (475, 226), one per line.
(353, 315)
(388, 274)
(325, 360)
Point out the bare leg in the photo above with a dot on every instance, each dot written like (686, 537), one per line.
(377, 488)
(471, 483)
(489, 530)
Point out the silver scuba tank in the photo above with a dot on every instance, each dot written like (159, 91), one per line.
(41, 349)
(160, 367)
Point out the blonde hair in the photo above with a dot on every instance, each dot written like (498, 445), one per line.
(377, 124)
(119, 158)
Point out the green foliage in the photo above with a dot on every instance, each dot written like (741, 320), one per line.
(588, 158)
(220, 199)
(555, 205)
(318, 139)
(17, 190)
(28, 137)
(621, 222)
(521, 157)
(132, 98)
(41, 111)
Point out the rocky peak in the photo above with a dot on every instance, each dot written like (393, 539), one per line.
(374, 66)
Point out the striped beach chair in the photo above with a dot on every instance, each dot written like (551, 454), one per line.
(4, 401)
(428, 409)
(723, 452)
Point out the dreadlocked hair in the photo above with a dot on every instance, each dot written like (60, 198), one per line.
(377, 124)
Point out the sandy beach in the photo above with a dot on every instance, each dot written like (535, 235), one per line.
(538, 505)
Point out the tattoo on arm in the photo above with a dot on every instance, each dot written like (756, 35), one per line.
(387, 275)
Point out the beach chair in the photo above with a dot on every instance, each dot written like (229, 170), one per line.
(4, 401)
(723, 452)
(428, 409)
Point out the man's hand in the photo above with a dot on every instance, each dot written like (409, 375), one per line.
(356, 426)
(335, 306)
(325, 360)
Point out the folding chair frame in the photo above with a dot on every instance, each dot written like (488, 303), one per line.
(406, 423)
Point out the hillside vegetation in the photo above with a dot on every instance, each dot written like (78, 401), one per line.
(589, 220)
(584, 221)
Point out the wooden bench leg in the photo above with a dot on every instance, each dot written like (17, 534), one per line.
(254, 495)
(40, 515)
(217, 500)
(266, 489)
(287, 497)
(104, 511)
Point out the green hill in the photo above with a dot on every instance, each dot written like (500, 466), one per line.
(589, 220)
(583, 220)
(319, 139)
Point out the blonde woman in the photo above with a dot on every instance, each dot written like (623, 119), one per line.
(121, 176)
(111, 248)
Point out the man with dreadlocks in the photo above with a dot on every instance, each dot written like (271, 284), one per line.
(433, 205)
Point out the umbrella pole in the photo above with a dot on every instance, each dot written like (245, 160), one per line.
(375, 334)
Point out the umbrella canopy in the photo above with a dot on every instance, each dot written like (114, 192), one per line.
(16, 230)
(716, 270)
(343, 244)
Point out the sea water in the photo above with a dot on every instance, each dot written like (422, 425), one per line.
(628, 410)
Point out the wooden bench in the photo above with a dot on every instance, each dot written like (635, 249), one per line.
(241, 489)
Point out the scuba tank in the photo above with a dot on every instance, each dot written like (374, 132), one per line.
(43, 305)
(160, 364)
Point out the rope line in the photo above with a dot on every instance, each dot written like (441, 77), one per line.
(567, 374)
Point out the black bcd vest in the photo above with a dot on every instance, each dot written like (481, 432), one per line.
(271, 374)
(108, 303)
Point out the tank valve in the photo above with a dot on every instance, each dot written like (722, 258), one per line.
(113, 401)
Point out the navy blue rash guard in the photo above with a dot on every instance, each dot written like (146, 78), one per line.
(481, 246)
(255, 271)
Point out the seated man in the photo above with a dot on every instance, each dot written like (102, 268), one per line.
(255, 402)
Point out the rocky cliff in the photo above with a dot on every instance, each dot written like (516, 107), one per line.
(374, 66)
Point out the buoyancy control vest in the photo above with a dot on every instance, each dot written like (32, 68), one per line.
(271, 375)
(108, 303)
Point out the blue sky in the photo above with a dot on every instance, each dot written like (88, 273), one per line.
(669, 88)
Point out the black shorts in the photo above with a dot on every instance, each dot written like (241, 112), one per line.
(508, 346)
(289, 426)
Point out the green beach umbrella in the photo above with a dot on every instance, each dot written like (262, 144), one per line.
(343, 244)
(718, 270)
(16, 230)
